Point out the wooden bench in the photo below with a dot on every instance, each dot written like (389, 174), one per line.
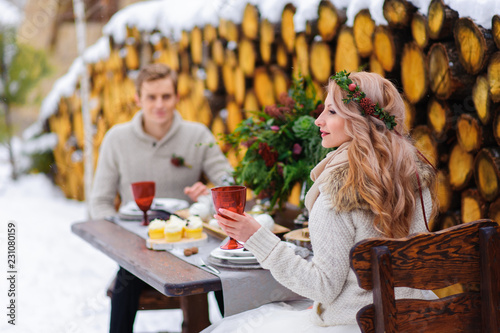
(468, 254)
(151, 299)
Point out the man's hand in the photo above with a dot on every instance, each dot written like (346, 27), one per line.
(193, 192)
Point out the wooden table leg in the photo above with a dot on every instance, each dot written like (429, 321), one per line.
(195, 311)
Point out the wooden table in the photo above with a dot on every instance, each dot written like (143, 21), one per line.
(163, 271)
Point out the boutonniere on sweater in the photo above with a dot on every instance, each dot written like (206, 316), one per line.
(178, 161)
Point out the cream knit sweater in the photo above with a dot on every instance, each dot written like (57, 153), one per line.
(327, 279)
(128, 155)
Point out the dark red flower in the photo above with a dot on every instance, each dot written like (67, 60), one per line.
(286, 100)
(269, 155)
(367, 105)
(274, 111)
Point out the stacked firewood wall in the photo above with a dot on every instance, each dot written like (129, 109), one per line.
(446, 66)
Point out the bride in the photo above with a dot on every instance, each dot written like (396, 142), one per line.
(372, 185)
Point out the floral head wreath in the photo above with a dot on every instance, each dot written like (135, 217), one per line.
(354, 93)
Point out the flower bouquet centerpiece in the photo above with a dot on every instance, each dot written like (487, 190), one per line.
(282, 144)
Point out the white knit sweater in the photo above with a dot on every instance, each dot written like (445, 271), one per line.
(327, 279)
(128, 155)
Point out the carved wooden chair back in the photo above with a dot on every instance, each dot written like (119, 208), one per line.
(468, 254)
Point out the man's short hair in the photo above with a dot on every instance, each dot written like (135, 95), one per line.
(154, 72)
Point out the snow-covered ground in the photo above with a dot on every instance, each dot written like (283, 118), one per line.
(61, 279)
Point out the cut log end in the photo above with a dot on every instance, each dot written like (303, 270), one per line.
(302, 54)
(384, 47)
(239, 85)
(481, 99)
(444, 191)
(471, 45)
(495, 29)
(494, 210)
(247, 56)
(419, 30)
(375, 66)
(250, 22)
(398, 13)
(213, 76)
(281, 81)
(196, 44)
(218, 52)
(440, 19)
(282, 58)
(263, 87)
(288, 27)
(487, 172)
(426, 143)
(329, 20)
(473, 206)
(469, 133)
(494, 77)
(266, 40)
(251, 103)
(438, 117)
(409, 115)
(363, 29)
(413, 72)
(346, 55)
(320, 61)
(234, 116)
(460, 166)
(447, 77)
(439, 74)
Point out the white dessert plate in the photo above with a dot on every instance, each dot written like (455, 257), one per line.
(239, 256)
(168, 204)
(222, 254)
(236, 253)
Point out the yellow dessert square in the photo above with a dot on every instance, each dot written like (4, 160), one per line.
(156, 234)
(193, 233)
(173, 236)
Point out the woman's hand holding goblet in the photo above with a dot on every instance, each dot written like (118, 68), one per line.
(231, 198)
(241, 227)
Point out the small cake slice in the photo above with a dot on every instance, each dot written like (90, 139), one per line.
(194, 227)
(173, 229)
(156, 229)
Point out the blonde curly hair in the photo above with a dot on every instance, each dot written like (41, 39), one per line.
(383, 163)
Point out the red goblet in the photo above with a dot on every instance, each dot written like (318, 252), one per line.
(144, 193)
(232, 198)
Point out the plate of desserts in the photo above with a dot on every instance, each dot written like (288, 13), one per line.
(175, 233)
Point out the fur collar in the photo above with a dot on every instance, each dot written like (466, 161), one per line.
(353, 200)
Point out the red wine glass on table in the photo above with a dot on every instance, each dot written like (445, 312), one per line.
(232, 198)
(144, 193)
